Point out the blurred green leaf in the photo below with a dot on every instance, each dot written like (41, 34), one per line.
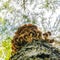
(10, 9)
(6, 49)
(6, 4)
(2, 20)
(28, 20)
(24, 16)
(47, 3)
(33, 21)
(0, 52)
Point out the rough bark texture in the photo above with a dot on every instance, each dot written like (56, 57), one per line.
(37, 50)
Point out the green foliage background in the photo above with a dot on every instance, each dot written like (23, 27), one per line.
(5, 49)
(14, 13)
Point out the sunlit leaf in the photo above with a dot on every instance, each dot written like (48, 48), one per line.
(2, 20)
(0, 53)
(6, 49)
(6, 4)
